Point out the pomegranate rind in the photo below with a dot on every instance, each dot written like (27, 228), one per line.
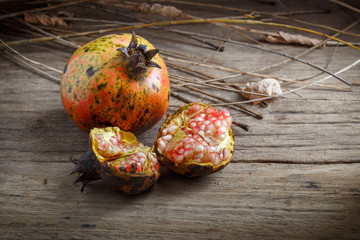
(128, 141)
(126, 138)
(191, 168)
(132, 183)
(98, 90)
(95, 165)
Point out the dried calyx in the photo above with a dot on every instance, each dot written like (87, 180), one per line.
(137, 58)
(196, 140)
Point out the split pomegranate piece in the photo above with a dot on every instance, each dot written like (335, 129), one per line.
(196, 140)
(119, 159)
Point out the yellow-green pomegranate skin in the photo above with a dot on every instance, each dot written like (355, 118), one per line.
(99, 88)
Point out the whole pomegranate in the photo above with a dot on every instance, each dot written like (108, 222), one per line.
(116, 80)
(196, 140)
(119, 159)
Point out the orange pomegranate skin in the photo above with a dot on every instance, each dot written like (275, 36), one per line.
(99, 89)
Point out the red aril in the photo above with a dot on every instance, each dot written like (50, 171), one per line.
(196, 140)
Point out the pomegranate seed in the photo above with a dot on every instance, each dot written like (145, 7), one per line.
(189, 145)
(193, 110)
(226, 153)
(113, 141)
(222, 129)
(228, 121)
(118, 137)
(161, 145)
(157, 167)
(172, 129)
(179, 158)
(192, 124)
(199, 148)
(181, 151)
(167, 138)
(206, 128)
(177, 121)
(98, 137)
(198, 119)
(188, 153)
(103, 145)
(115, 146)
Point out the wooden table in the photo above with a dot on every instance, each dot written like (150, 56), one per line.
(294, 175)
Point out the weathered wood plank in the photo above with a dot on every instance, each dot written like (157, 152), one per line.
(259, 195)
(242, 201)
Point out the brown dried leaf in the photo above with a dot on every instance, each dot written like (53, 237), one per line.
(44, 19)
(267, 86)
(291, 38)
(167, 11)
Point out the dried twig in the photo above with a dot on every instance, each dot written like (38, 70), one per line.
(193, 21)
(216, 38)
(345, 5)
(41, 9)
(93, 20)
(319, 73)
(297, 89)
(55, 79)
(29, 60)
(57, 39)
(308, 50)
(241, 72)
(216, 47)
(285, 8)
(220, 87)
(193, 63)
(320, 26)
(274, 14)
(241, 108)
(206, 76)
(275, 52)
(30, 67)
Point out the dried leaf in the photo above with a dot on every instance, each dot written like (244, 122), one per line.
(267, 86)
(167, 11)
(291, 38)
(44, 19)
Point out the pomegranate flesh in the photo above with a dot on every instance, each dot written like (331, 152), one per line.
(196, 140)
(119, 159)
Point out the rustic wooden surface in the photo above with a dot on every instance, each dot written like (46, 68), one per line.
(294, 175)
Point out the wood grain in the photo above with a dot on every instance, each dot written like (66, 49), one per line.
(294, 175)
(243, 201)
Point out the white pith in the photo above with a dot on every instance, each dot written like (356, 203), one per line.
(121, 152)
(111, 145)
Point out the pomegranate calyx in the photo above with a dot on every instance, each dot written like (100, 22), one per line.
(86, 167)
(136, 56)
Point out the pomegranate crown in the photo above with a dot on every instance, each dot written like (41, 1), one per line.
(137, 57)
